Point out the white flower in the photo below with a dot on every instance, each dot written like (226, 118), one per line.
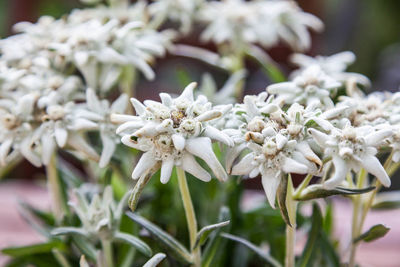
(352, 148)
(277, 143)
(16, 130)
(61, 126)
(100, 112)
(244, 22)
(334, 65)
(311, 87)
(172, 133)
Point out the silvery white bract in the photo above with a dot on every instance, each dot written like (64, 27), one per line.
(172, 133)
(334, 65)
(265, 22)
(352, 148)
(100, 111)
(180, 11)
(276, 142)
(61, 125)
(311, 87)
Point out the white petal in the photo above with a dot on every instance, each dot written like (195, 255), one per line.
(188, 92)
(119, 105)
(27, 152)
(305, 149)
(232, 154)
(107, 151)
(341, 170)
(129, 125)
(77, 142)
(376, 137)
(149, 130)
(83, 124)
(244, 166)
(145, 163)
(270, 181)
(48, 148)
(166, 170)
(61, 135)
(291, 166)
(166, 99)
(280, 141)
(122, 118)
(372, 165)
(93, 101)
(190, 165)
(218, 135)
(140, 109)
(319, 137)
(179, 141)
(202, 148)
(209, 115)
(128, 141)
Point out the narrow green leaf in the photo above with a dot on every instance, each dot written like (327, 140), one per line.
(34, 249)
(85, 247)
(138, 189)
(317, 191)
(205, 232)
(313, 234)
(387, 200)
(329, 254)
(265, 256)
(69, 231)
(281, 195)
(375, 232)
(134, 241)
(61, 259)
(45, 217)
(156, 259)
(177, 249)
(215, 240)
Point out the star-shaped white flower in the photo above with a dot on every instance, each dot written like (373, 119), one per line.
(172, 133)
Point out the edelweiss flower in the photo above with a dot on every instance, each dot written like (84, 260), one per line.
(334, 65)
(276, 141)
(16, 130)
(100, 112)
(61, 126)
(352, 148)
(172, 133)
(311, 87)
(242, 23)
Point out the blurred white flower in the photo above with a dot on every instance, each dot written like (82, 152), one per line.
(265, 22)
(313, 87)
(172, 133)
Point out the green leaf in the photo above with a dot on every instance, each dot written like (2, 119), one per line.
(215, 240)
(281, 195)
(387, 200)
(134, 241)
(34, 249)
(313, 234)
(375, 232)
(156, 259)
(45, 217)
(205, 232)
(85, 247)
(69, 231)
(317, 191)
(265, 256)
(176, 248)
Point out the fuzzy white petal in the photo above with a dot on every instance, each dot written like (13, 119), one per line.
(202, 148)
(140, 109)
(291, 166)
(376, 137)
(244, 166)
(341, 170)
(280, 141)
(209, 115)
(129, 125)
(179, 141)
(166, 170)
(232, 154)
(270, 182)
(107, 151)
(61, 135)
(48, 148)
(4, 150)
(190, 165)
(319, 137)
(218, 135)
(145, 163)
(372, 165)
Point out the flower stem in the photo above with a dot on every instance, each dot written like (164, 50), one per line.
(190, 215)
(356, 227)
(107, 252)
(291, 230)
(54, 186)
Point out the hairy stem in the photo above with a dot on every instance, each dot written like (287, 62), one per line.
(54, 186)
(356, 228)
(107, 252)
(291, 230)
(190, 215)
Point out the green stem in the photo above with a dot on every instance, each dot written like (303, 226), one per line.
(303, 185)
(190, 215)
(54, 186)
(355, 226)
(291, 230)
(107, 252)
